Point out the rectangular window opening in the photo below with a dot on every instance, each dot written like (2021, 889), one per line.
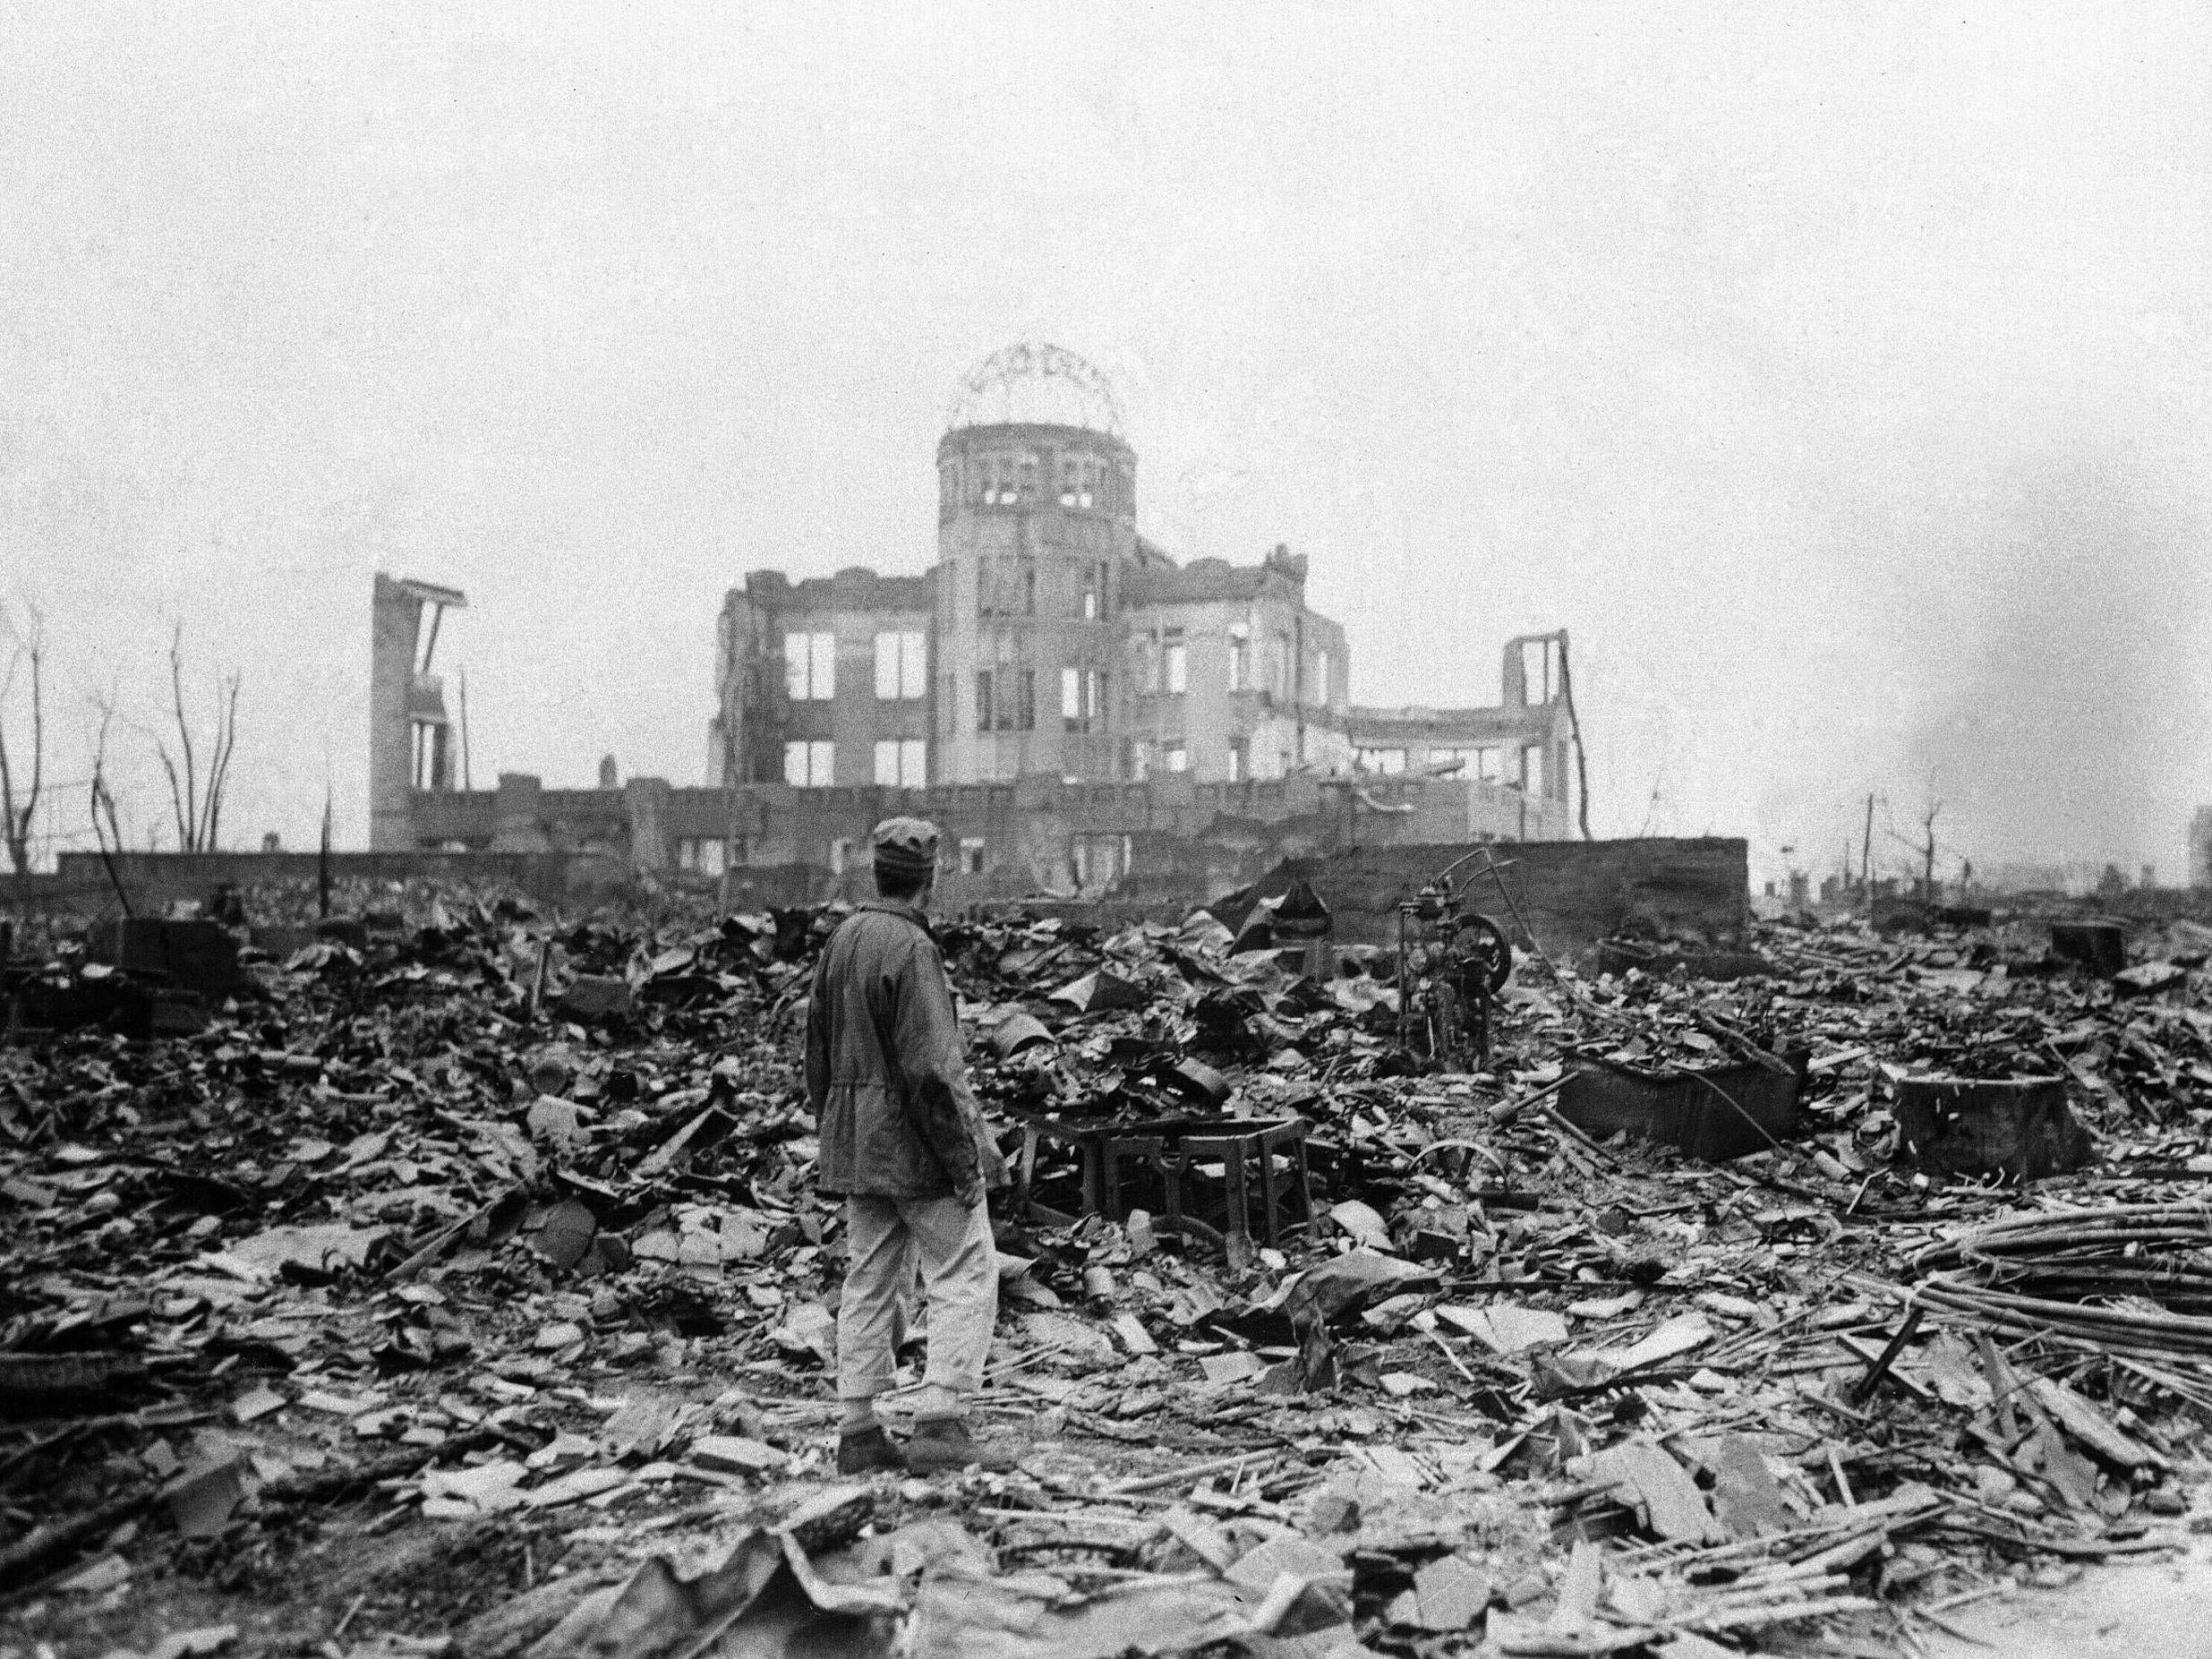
(810, 765)
(902, 667)
(901, 763)
(810, 667)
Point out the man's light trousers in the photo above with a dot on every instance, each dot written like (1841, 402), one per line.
(950, 1243)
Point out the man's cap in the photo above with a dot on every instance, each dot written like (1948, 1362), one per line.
(906, 846)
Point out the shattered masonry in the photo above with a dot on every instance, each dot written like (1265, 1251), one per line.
(446, 1278)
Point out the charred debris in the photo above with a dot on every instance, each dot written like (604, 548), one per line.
(447, 1279)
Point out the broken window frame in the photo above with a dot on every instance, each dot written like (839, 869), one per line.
(901, 763)
(810, 667)
(700, 855)
(1098, 859)
(809, 763)
(901, 665)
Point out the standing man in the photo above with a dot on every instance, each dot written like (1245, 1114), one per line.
(904, 1144)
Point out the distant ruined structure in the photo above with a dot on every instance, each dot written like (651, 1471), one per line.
(1082, 713)
(411, 746)
(1051, 638)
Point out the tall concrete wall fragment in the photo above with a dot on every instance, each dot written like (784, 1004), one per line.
(396, 614)
(403, 696)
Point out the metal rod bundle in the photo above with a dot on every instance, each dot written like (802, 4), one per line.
(2133, 1280)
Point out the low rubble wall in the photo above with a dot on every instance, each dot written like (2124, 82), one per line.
(158, 880)
(1570, 894)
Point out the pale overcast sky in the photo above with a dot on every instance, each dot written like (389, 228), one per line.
(1837, 374)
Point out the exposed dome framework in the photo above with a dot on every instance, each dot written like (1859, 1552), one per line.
(1034, 382)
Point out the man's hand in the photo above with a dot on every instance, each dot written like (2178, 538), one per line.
(972, 1194)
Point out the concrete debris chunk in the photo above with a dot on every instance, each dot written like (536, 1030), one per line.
(736, 1455)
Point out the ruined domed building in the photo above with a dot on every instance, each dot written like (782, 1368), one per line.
(1051, 638)
(1078, 710)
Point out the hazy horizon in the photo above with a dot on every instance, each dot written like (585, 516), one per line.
(1838, 379)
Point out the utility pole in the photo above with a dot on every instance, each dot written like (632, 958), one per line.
(1865, 856)
(1574, 725)
(1927, 880)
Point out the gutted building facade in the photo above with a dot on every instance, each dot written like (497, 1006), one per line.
(1078, 710)
(1050, 638)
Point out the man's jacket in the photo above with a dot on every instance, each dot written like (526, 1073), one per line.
(886, 1071)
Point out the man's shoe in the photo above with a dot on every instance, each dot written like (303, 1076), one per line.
(867, 1450)
(945, 1443)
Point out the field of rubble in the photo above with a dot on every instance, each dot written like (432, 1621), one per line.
(457, 1286)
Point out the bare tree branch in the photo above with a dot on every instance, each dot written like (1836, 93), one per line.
(177, 799)
(188, 815)
(103, 797)
(16, 818)
(218, 767)
(196, 803)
